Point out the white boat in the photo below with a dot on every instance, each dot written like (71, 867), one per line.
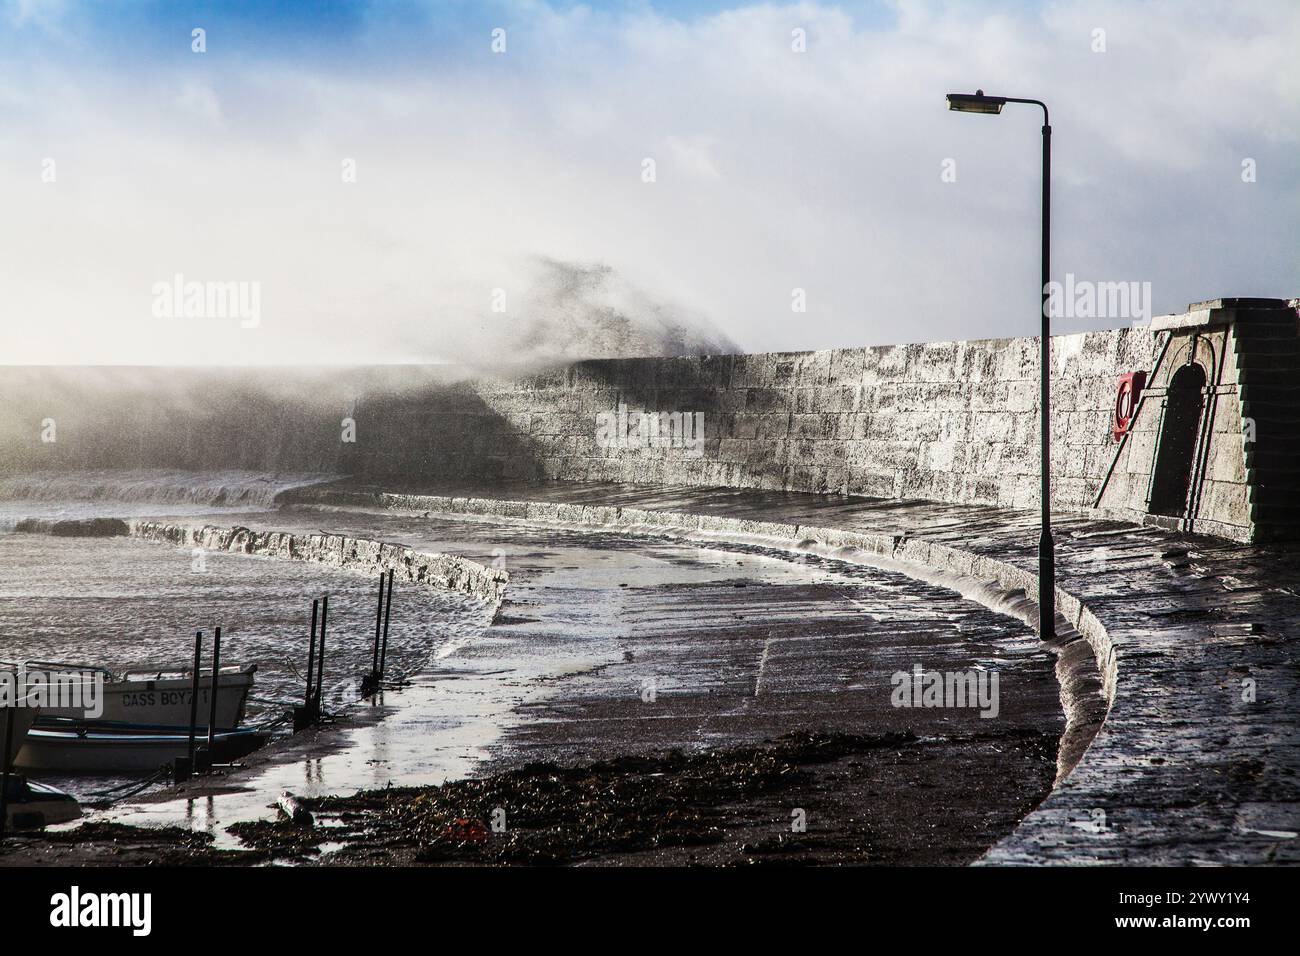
(97, 748)
(31, 806)
(161, 698)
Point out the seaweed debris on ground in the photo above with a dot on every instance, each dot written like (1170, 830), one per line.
(544, 813)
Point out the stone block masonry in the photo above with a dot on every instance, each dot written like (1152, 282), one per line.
(952, 421)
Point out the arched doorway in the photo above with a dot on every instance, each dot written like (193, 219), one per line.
(1178, 434)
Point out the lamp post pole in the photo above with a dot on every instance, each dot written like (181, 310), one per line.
(1046, 547)
(979, 103)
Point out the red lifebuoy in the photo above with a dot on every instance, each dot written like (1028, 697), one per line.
(1126, 399)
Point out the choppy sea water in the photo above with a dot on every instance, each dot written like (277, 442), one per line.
(123, 603)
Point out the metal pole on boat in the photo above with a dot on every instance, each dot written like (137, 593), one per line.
(12, 717)
(194, 699)
(311, 653)
(320, 663)
(388, 606)
(212, 698)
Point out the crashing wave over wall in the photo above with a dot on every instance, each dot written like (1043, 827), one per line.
(220, 488)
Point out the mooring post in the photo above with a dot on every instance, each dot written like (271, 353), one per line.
(311, 654)
(12, 714)
(212, 699)
(370, 681)
(388, 606)
(194, 706)
(379, 616)
(320, 659)
(305, 716)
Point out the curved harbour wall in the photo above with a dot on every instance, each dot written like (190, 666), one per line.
(954, 421)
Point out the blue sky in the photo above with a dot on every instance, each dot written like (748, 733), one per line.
(371, 34)
(777, 169)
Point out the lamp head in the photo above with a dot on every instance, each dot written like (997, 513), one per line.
(975, 103)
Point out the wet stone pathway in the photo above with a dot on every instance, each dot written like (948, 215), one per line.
(624, 646)
(1196, 762)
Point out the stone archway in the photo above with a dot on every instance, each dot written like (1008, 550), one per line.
(1176, 451)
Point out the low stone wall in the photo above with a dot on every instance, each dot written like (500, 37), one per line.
(445, 571)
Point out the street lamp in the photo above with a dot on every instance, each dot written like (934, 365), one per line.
(979, 103)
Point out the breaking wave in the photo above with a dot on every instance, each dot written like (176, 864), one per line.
(570, 311)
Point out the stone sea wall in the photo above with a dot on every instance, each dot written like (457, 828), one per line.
(953, 421)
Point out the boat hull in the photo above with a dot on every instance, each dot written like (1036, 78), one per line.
(165, 701)
(70, 751)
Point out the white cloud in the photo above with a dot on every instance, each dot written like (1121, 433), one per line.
(694, 156)
(44, 13)
(819, 170)
(200, 100)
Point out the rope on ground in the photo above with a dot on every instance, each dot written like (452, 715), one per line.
(121, 791)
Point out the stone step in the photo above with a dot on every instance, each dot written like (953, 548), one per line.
(1269, 332)
(1278, 416)
(1279, 402)
(1282, 394)
(1261, 318)
(1274, 474)
(1275, 513)
(1265, 459)
(1254, 374)
(1277, 419)
(1288, 345)
(1265, 478)
(1267, 361)
(1270, 476)
(1275, 494)
(1273, 318)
